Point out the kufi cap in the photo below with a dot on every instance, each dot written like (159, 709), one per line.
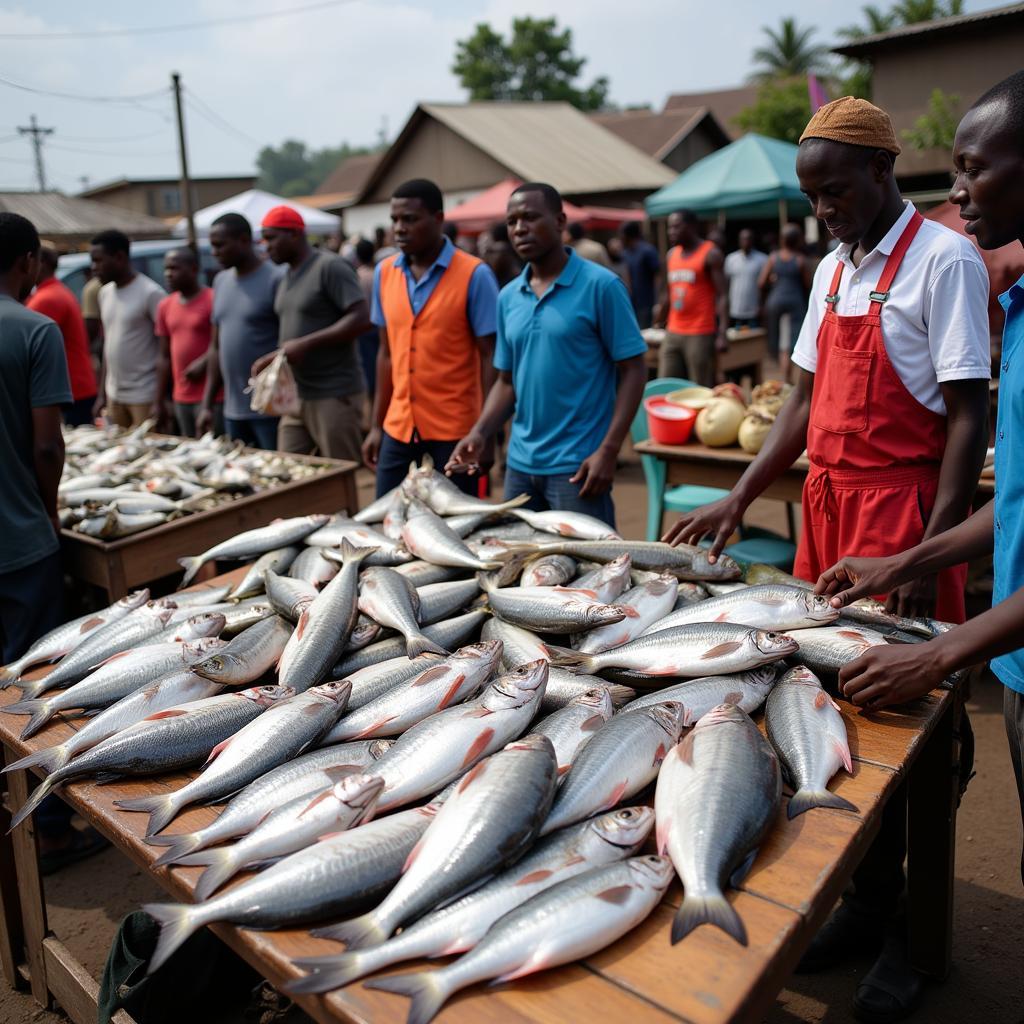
(284, 217)
(855, 122)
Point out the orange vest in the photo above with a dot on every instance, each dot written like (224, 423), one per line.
(435, 361)
(691, 293)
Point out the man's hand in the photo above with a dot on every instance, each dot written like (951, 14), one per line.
(722, 342)
(915, 599)
(196, 370)
(595, 474)
(158, 412)
(99, 405)
(262, 363)
(719, 519)
(893, 674)
(371, 447)
(468, 455)
(204, 420)
(853, 578)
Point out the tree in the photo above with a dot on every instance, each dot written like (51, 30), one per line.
(789, 52)
(535, 63)
(781, 111)
(294, 170)
(937, 127)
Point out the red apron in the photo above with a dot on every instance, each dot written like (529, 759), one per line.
(875, 450)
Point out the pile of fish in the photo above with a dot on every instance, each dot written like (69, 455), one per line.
(426, 725)
(118, 482)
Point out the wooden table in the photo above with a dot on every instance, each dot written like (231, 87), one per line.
(119, 566)
(706, 979)
(745, 355)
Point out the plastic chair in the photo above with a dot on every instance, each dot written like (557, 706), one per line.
(763, 547)
(684, 498)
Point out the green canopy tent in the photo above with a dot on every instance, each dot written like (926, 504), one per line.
(752, 177)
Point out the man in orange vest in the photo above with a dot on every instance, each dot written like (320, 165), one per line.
(695, 305)
(436, 308)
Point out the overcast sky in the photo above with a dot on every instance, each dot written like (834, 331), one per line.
(345, 71)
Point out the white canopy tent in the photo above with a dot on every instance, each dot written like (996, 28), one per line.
(253, 205)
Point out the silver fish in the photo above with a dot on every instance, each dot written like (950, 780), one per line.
(489, 821)
(278, 561)
(364, 633)
(312, 567)
(145, 501)
(445, 498)
(325, 625)
(718, 794)
(567, 524)
(650, 603)
(550, 609)
(305, 775)
(466, 523)
(290, 727)
(608, 581)
(459, 926)
(324, 880)
(245, 615)
(373, 681)
(248, 655)
(440, 748)
(394, 602)
(287, 596)
(424, 573)
(548, 571)
(571, 728)
(747, 690)
(694, 593)
(809, 735)
(443, 600)
(64, 639)
(202, 596)
(175, 738)
(195, 627)
(698, 649)
(569, 921)
(290, 828)
(386, 551)
(827, 649)
(377, 510)
(620, 759)
(434, 689)
(253, 543)
(427, 536)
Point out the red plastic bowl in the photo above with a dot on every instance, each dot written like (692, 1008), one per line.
(669, 423)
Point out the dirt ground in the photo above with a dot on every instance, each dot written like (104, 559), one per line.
(86, 902)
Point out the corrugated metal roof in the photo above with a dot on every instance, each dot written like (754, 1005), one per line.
(657, 134)
(861, 46)
(725, 104)
(552, 142)
(56, 215)
(350, 175)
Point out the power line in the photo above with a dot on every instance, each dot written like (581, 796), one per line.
(111, 138)
(85, 98)
(110, 152)
(182, 27)
(204, 110)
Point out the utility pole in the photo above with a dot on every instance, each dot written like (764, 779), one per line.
(38, 134)
(186, 181)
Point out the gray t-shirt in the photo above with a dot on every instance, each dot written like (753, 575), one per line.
(243, 310)
(33, 374)
(130, 347)
(310, 299)
(743, 269)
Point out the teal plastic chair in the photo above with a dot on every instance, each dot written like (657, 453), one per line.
(763, 547)
(684, 498)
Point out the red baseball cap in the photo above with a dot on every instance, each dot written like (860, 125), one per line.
(284, 217)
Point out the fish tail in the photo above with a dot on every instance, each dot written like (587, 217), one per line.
(516, 502)
(804, 799)
(425, 988)
(161, 807)
(191, 565)
(714, 909)
(358, 933)
(222, 866)
(350, 553)
(10, 674)
(36, 797)
(177, 922)
(30, 691)
(178, 847)
(329, 972)
(418, 644)
(566, 658)
(39, 712)
(49, 760)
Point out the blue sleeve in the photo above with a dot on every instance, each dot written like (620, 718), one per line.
(48, 373)
(616, 321)
(502, 349)
(482, 303)
(376, 311)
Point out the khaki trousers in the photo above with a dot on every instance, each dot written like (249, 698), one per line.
(690, 356)
(325, 426)
(128, 415)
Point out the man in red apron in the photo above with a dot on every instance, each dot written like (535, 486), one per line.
(891, 403)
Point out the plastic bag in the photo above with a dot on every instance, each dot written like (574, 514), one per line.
(273, 391)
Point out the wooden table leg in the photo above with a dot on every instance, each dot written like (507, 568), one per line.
(931, 846)
(12, 939)
(30, 888)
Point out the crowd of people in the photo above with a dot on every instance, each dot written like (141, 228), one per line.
(539, 333)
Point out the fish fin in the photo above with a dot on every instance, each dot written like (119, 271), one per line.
(628, 610)
(565, 658)
(621, 694)
(593, 723)
(337, 972)
(721, 650)
(218, 750)
(90, 624)
(714, 910)
(742, 869)
(533, 963)
(300, 626)
(479, 747)
(419, 644)
(563, 769)
(469, 777)
(843, 750)
(36, 797)
(413, 854)
(616, 894)
(424, 988)
(804, 799)
(169, 713)
(487, 582)
(340, 771)
(350, 553)
(39, 712)
(358, 933)
(428, 675)
(191, 566)
(616, 795)
(179, 846)
(222, 865)
(516, 502)
(659, 754)
(535, 876)
(371, 730)
(161, 807)
(49, 760)
(820, 700)
(453, 691)
(581, 590)
(662, 830)
(732, 697)
(177, 922)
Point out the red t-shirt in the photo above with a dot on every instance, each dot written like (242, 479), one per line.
(187, 326)
(54, 299)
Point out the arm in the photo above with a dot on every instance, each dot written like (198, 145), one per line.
(765, 277)
(353, 322)
(381, 401)
(214, 381)
(499, 405)
(783, 446)
(660, 314)
(715, 266)
(94, 330)
(163, 376)
(101, 387)
(48, 457)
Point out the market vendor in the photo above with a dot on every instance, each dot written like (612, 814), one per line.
(891, 403)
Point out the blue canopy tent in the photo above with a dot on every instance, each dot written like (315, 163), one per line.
(752, 177)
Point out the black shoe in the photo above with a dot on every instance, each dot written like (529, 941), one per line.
(891, 991)
(848, 932)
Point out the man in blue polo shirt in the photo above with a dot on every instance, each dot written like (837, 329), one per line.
(570, 363)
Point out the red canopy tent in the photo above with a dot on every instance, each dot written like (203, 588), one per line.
(480, 212)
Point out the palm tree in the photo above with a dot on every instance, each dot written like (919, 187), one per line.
(877, 21)
(911, 12)
(788, 53)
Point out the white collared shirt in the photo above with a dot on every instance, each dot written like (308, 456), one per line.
(935, 321)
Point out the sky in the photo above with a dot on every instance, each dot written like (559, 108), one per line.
(349, 70)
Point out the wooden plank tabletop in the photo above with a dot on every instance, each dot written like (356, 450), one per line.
(795, 880)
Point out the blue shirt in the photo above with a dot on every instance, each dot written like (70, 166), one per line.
(481, 304)
(1009, 466)
(644, 263)
(561, 350)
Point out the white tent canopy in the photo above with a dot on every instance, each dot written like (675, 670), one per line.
(253, 205)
